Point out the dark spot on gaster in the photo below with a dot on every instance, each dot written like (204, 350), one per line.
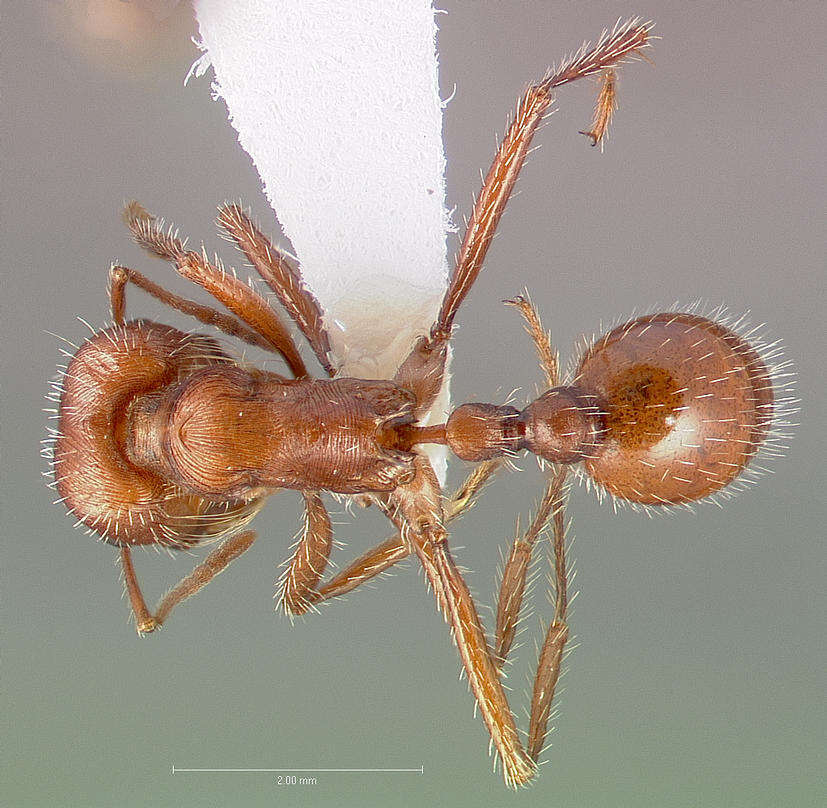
(641, 404)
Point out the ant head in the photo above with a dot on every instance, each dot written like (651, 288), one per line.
(685, 403)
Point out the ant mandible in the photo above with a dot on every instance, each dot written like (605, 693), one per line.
(164, 440)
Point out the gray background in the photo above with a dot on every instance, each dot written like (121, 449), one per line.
(698, 676)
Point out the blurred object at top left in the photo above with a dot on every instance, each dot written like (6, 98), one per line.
(134, 36)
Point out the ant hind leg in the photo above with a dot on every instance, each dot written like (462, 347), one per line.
(549, 360)
(510, 600)
(612, 48)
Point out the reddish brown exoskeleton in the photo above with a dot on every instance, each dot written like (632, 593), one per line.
(164, 440)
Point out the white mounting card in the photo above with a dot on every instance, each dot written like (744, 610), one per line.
(338, 105)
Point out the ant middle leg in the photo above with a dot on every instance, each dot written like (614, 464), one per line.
(249, 306)
(281, 277)
(307, 565)
(385, 555)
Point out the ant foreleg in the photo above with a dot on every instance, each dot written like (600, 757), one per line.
(215, 563)
(144, 621)
(249, 306)
(281, 277)
(119, 276)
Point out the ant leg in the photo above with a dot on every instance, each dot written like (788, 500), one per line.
(466, 495)
(118, 278)
(215, 563)
(418, 517)
(552, 506)
(423, 372)
(284, 279)
(611, 48)
(415, 513)
(144, 621)
(382, 557)
(372, 563)
(551, 653)
(512, 586)
(491, 202)
(549, 359)
(149, 233)
(305, 568)
(604, 108)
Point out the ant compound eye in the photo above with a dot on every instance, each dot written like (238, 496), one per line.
(686, 403)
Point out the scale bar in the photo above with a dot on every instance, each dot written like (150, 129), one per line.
(177, 770)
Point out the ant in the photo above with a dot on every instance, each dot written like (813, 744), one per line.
(164, 440)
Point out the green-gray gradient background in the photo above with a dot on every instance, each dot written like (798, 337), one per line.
(697, 679)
